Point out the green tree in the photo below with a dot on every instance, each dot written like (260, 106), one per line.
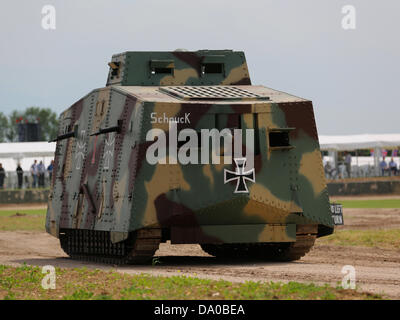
(45, 116)
(12, 130)
(4, 127)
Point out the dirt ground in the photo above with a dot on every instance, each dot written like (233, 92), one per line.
(24, 206)
(368, 219)
(377, 270)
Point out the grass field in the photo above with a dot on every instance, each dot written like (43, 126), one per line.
(373, 204)
(34, 220)
(25, 282)
(29, 219)
(82, 284)
(12, 220)
(386, 239)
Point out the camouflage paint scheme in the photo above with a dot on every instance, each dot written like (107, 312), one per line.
(104, 182)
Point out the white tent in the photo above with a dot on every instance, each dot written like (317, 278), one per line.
(359, 141)
(38, 149)
(25, 153)
(376, 142)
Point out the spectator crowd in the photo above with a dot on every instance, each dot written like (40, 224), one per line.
(346, 170)
(37, 173)
(388, 169)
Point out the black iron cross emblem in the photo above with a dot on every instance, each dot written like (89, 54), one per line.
(240, 175)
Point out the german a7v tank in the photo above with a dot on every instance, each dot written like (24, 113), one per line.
(180, 146)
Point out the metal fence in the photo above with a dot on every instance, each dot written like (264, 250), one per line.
(11, 180)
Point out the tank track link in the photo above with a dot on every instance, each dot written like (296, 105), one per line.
(96, 246)
(289, 251)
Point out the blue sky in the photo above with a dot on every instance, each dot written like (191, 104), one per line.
(299, 47)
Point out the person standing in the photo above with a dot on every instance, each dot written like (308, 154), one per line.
(2, 176)
(20, 175)
(50, 170)
(328, 170)
(347, 162)
(41, 171)
(34, 173)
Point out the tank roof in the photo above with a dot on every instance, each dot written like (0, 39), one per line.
(164, 94)
(170, 68)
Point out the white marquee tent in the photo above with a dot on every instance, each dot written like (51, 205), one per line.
(359, 141)
(25, 153)
(376, 142)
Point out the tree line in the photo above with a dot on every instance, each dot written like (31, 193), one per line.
(45, 116)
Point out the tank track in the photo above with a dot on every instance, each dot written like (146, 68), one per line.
(289, 251)
(96, 246)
